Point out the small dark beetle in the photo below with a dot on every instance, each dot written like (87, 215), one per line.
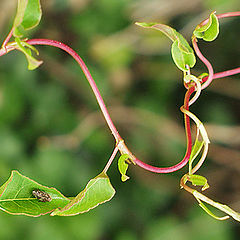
(41, 195)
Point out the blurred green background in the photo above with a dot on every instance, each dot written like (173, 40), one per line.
(52, 131)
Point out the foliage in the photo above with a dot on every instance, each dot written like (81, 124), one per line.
(62, 124)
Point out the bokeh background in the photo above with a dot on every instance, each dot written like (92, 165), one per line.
(52, 131)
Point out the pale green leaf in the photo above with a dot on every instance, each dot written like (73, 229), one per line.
(198, 180)
(33, 63)
(195, 151)
(16, 197)
(98, 190)
(28, 16)
(123, 166)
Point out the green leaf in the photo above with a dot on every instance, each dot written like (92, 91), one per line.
(28, 16)
(33, 63)
(209, 31)
(123, 166)
(198, 180)
(168, 31)
(195, 151)
(98, 190)
(16, 197)
(182, 58)
(182, 53)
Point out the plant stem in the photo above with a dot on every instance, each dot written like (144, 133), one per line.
(110, 159)
(223, 15)
(211, 74)
(206, 62)
(7, 39)
(189, 144)
(89, 77)
(224, 74)
(113, 129)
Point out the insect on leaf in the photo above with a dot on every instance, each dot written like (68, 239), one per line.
(16, 197)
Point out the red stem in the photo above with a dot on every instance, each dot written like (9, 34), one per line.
(206, 62)
(224, 74)
(102, 105)
(106, 114)
(223, 15)
(104, 109)
(211, 75)
(7, 38)
(189, 144)
(89, 77)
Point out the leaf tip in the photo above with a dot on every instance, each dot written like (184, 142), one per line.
(145, 25)
(124, 178)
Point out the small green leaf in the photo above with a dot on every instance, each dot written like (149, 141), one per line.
(181, 58)
(195, 151)
(33, 63)
(209, 212)
(98, 190)
(123, 166)
(198, 180)
(209, 31)
(16, 197)
(182, 53)
(28, 16)
(202, 75)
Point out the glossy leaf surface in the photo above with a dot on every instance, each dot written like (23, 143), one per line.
(98, 190)
(16, 197)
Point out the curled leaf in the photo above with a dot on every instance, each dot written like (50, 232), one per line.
(222, 207)
(209, 212)
(182, 53)
(33, 63)
(198, 180)
(210, 30)
(194, 153)
(28, 16)
(123, 166)
(98, 190)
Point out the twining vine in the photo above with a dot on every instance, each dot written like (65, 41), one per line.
(20, 195)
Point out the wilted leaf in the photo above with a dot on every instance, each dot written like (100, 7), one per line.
(98, 190)
(16, 197)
